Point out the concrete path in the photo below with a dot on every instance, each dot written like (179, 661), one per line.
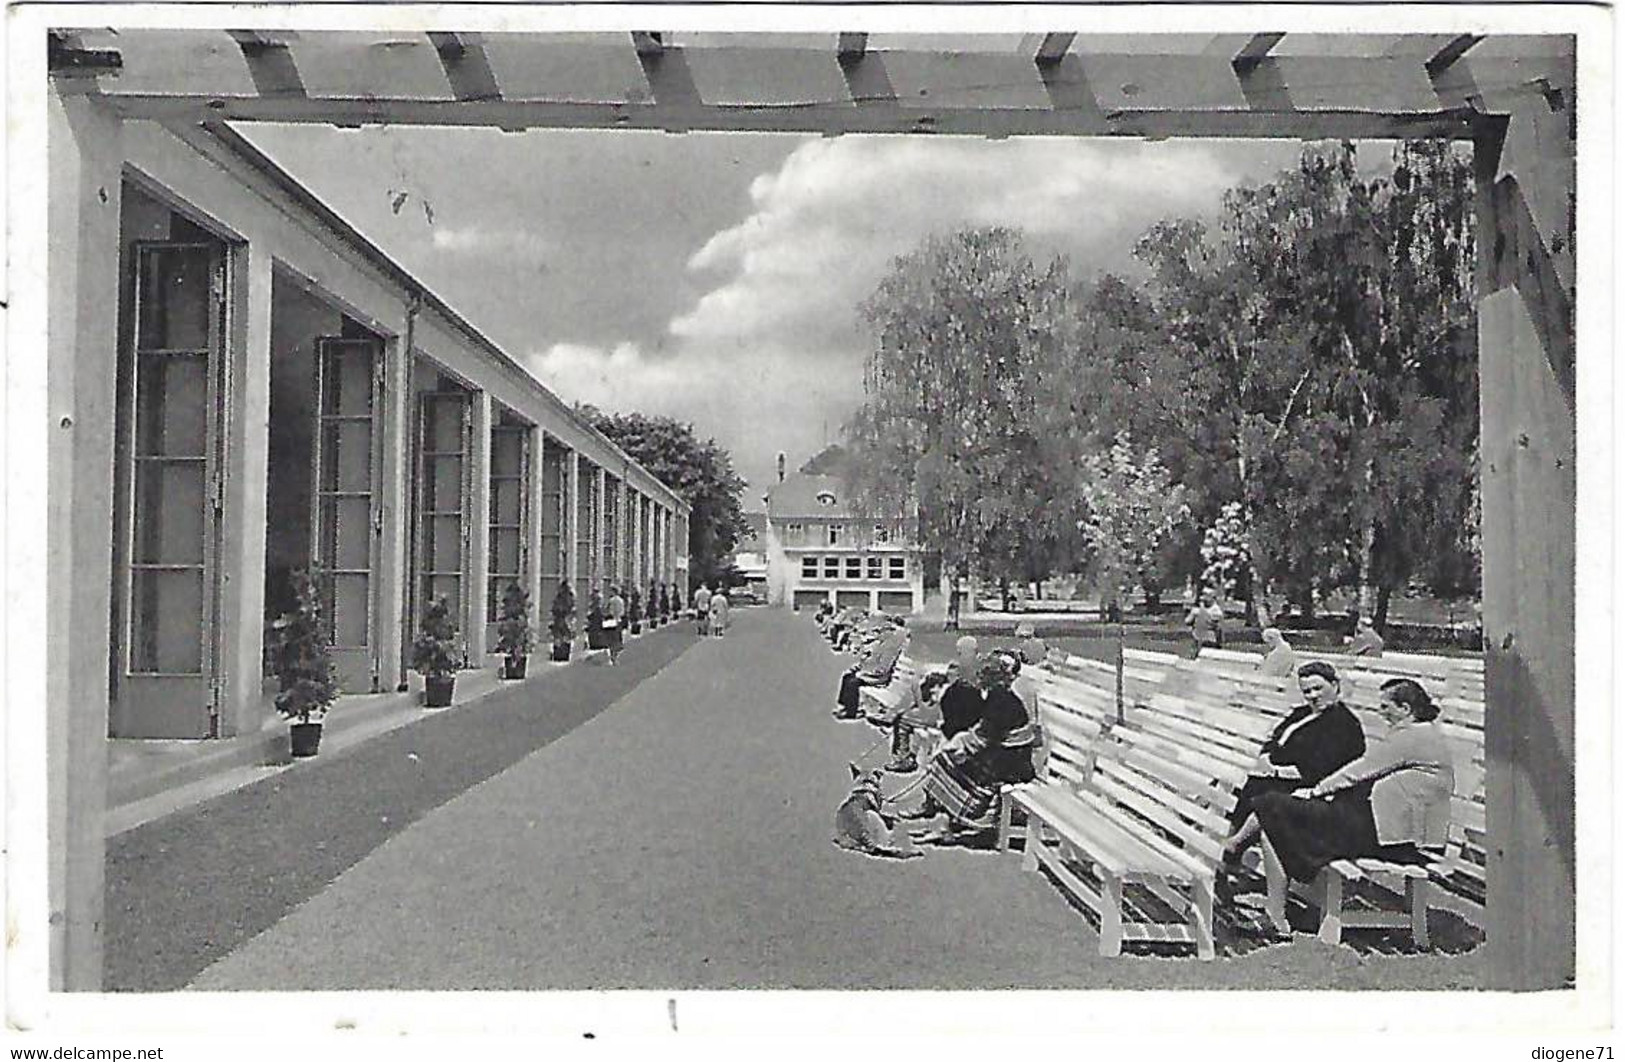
(681, 840)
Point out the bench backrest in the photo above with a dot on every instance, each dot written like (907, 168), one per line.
(1215, 696)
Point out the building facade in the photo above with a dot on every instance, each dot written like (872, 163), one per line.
(269, 393)
(819, 549)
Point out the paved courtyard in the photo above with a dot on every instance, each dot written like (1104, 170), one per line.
(664, 824)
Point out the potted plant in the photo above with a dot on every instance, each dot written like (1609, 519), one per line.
(304, 668)
(651, 606)
(436, 654)
(678, 608)
(562, 625)
(634, 612)
(514, 634)
(665, 603)
(596, 636)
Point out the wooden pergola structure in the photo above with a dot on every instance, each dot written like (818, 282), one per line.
(1512, 97)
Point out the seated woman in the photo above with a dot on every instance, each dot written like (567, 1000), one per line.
(1315, 739)
(965, 775)
(1383, 805)
(875, 669)
(922, 716)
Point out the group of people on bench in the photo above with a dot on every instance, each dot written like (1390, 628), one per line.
(984, 710)
(1320, 795)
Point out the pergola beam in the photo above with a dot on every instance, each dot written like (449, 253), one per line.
(1053, 47)
(532, 82)
(1447, 56)
(468, 68)
(270, 63)
(1255, 51)
(875, 114)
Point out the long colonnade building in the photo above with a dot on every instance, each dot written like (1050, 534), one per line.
(282, 396)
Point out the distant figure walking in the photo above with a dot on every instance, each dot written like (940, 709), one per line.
(1205, 620)
(614, 623)
(719, 613)
(1366, 640)
(702, 609)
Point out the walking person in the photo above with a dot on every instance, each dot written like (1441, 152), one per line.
(702, 609)
(1205, 620)
(719, 612)
(614, 623)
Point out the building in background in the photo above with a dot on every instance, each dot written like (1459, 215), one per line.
(750, 557)
(819, 549)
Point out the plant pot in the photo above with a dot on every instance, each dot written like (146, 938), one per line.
(305, 738)
(437, 690)
(598, 638)
(637, 628)
(561, 651)
(513, 667)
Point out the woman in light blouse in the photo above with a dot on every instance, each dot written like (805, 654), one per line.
(1386, 805)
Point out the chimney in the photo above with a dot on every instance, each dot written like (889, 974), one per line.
(781, 466)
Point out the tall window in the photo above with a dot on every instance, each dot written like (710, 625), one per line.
(876, 568)
(899, 568)
(832, 567)
(882, 534)
(833, 532)
(854, 567)
(809, 567)
(506, 554)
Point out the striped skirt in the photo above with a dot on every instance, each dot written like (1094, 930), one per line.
(968, 788)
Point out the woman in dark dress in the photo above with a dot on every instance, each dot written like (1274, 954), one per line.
(965, 775)
(1315, 739)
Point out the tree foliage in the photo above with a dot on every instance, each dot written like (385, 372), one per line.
(1129, 505)
(966, 328)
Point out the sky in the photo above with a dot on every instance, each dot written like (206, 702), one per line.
(716, 277)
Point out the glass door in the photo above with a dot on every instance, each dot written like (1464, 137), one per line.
(508, 534)
(347, 525)
(444, 424)
(170, 601)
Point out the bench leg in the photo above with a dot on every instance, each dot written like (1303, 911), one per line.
(1416, 898)
(1202, 918)
(1032, 841)
(1275, 889)
(1111, 916)
(1331, 906)
(1007, 814)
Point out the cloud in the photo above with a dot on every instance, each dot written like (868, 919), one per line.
(770, 356)
(477, 240)
(755, 404)
(824, 228)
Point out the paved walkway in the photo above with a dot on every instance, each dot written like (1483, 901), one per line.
(681, 840)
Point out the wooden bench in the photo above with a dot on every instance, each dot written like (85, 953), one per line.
(1453, 881)
(1146, 802)
(1127, 819)
(902, 693)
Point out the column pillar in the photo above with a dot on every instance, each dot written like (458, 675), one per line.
(1526, 343)
(395, 508)
(532, 561)
(572, 527)
(242, 554)
(63, 408)
(477, 525)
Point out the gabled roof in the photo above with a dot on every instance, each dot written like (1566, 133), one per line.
(802, 495)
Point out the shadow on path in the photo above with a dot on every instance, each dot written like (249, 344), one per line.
(186, 889)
